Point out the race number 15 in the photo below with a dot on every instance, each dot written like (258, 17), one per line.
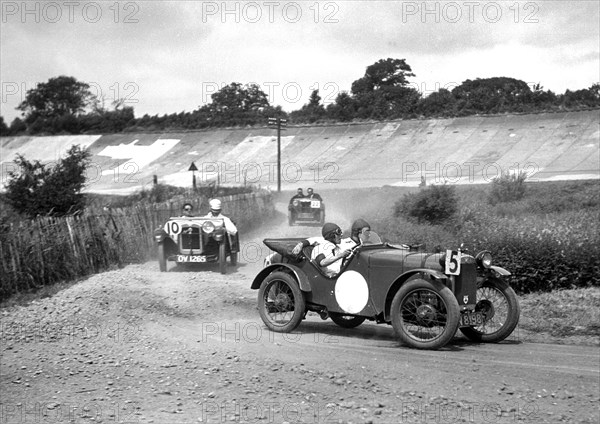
(452, 262)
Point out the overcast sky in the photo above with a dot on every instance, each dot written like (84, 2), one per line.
(169, 56)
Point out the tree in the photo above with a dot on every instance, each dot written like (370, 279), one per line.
(58, 97)
(383, 92)
(311, 112)
(491, 95)
(4, 131)
(38, 189)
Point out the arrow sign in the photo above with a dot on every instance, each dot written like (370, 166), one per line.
(193, 167)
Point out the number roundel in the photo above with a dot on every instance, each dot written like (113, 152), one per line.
(172, 228)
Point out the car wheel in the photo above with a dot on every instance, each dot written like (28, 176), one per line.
(222, 258)
(162, 258)
(281, 302)
(500, 307)
(322, 219)
(425, 314)
(233, 257)
(346, 321)
(290, 220)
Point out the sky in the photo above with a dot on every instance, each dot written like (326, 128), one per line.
(165, 57)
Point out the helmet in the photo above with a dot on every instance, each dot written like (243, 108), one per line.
(329, 229)
(215, 204)
(358, 225)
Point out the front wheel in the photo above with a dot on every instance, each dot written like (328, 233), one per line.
(162, 258)
(281, 302)
(425, 314)
(222, 258)
(233, 257)
(346, 321)
(501, 311)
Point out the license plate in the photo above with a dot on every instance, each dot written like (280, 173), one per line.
(305, 215)
(191, 258)
(468, 319)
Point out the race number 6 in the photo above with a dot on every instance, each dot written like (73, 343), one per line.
(452, 262)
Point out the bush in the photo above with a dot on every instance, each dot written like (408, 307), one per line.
(507, 188)
(434, 205)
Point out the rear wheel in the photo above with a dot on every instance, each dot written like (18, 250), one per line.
(233, 257)
(425, 314)
(322, 217)
(346, 321)
(500, 307)
(162, 258)
(280, 302)
(222, 258)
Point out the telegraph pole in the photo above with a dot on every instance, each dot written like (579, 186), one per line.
(278, 123)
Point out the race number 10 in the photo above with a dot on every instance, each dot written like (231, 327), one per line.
(452, 262)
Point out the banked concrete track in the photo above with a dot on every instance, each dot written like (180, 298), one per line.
(553, 146)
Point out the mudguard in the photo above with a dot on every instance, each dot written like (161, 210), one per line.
(500, 271)
(298, 274)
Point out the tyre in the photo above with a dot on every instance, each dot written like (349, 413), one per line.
(346, 321)
(322, 217)
(281, 302)
(222, 258)
(425, 314)
(162, 258)
(501, 311)
(233, 257)
(290, 220)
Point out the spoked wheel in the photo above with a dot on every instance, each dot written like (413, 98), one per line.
(281, 302)
(162, 258)
(346, 321)
(425, 314)
(500, 307)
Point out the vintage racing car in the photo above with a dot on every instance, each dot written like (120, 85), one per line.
(306, 212)
(426, 297)
(196, 240)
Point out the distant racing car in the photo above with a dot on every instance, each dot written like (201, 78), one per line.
(196, 240)
(306, 212)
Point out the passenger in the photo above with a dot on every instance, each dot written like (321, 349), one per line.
(215, 212)
(312, 195)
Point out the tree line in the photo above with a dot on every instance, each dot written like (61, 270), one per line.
(64, 105)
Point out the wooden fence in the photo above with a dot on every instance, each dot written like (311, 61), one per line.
(48, 250)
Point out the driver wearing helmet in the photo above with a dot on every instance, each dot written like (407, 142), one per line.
(329, 253)
(215, 212)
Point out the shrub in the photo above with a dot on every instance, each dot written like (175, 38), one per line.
(507, 188)
(434, 205)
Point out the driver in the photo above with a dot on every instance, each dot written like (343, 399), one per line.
(329, 254)
(215, 212)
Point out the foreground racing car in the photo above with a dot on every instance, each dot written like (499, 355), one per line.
(426, 297)
(306, 212)
(196, 240)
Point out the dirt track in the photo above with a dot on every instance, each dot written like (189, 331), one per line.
(137, 345)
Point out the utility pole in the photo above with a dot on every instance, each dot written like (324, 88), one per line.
(278, 123)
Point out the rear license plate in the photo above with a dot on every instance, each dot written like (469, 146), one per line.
(468, 319)
(305, 215)
(191, 258)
